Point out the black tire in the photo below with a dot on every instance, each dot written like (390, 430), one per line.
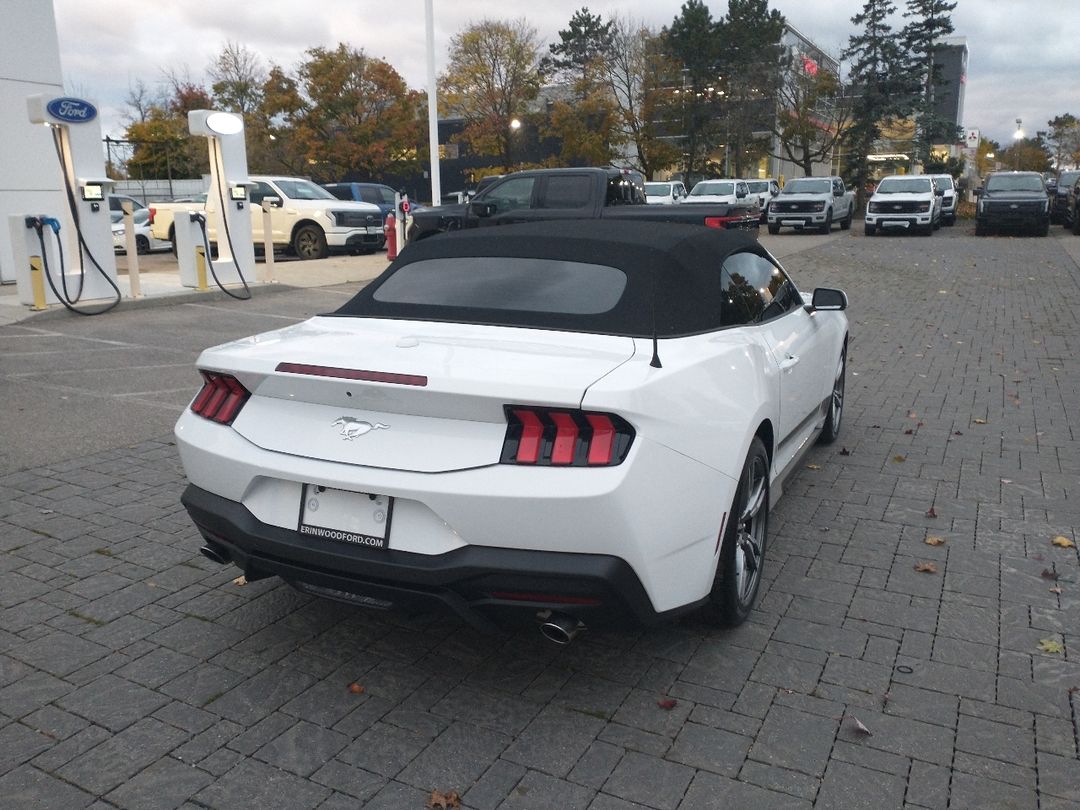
(774, 229)
(980, 229)
(172, 238)
(309, 242)
(951, 220)
(142, 245)
(928, 230)
(869, 230)
(835, 413)
(1076, 224)
(845, 224)
(1044, 229)
(742, 553)
(826, 226)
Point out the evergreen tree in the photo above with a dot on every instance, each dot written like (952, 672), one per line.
(749, 68)
(586, 40)
(930, 21)
(692, 41)
(879, 83)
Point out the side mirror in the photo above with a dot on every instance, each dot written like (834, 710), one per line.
(979, 191)
(838, 192)
(939, 192)
(482, 209)
(740, 193)
(275, 202)
(828, 299)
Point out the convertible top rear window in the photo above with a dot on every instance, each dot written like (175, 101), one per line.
(497, 283)
(608, 277)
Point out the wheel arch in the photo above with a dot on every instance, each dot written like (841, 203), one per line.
(303, 223)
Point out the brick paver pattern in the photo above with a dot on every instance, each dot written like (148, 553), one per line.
(136, 674)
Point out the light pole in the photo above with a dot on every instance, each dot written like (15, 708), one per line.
(1017, 137)
(514, 126)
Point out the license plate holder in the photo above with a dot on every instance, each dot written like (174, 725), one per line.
(338, 515)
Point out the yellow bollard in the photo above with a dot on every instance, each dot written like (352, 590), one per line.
(37, 284)
(200, 269)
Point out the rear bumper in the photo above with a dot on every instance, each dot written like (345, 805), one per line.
(482, 585)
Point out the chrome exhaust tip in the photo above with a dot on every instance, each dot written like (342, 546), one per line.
(561, 628)
(216, 553)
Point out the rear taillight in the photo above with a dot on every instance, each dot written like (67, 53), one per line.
(554, 437)
(153, 213)
(221, 397)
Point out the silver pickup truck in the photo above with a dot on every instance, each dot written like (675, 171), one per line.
(812, 202)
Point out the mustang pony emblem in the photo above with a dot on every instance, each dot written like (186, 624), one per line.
(353, 428)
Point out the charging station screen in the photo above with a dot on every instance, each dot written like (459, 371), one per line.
(92, 193)
(238, 193)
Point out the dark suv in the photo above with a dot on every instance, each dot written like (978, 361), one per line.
(1059, 198)
(1072, 206)
(1013, 199)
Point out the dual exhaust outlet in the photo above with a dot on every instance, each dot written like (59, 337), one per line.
(559, 628)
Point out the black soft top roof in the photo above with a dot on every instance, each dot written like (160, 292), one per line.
(672, 271)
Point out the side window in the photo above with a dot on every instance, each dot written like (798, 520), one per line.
(341, 192)
(838, 186)
(753, 289)
(261, 191)
(511, 195)
(369, 195)
(566, 191)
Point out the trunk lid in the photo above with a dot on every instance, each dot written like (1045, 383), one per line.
(440, 408)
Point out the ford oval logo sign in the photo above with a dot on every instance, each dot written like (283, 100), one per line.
(72, 110)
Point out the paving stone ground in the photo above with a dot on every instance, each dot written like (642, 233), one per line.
(135, 674)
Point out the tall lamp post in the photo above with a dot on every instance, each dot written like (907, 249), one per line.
(1017, 137)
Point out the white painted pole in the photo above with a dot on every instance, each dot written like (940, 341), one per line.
(131, 247)
(432, 106)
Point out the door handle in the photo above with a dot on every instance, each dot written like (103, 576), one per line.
(789, 363)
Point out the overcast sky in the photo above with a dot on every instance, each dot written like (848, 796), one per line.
(1023, 61)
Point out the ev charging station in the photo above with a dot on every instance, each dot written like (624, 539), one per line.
(227, 209)
(73, 249)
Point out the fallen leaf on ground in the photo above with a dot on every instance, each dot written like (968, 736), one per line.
(1072, 690)
(957, 433)
(979, 421)
(1048, 574)
(1056, 589)
(813, 466)
(444, 801)
(844, 451)
(909, 432)
(1063, 542)
(859, 727)
(926, 568)
(899, 459)
(356, 689)
(931, 540)
(1006, 480)
(667, 703)
(240, 580)
(931, 512)
(1049, 645)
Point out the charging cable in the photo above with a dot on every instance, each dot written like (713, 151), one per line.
(201, 219)
(39, 224)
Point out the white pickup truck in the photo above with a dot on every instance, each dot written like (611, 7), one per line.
(306, 218)
(812, 202)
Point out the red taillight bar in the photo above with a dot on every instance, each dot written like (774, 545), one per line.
(221, 398)
(532, 432)
(564, 438)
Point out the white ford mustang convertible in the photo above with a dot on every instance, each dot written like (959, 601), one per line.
(574, 422)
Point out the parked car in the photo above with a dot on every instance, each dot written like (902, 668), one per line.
(765, 189)
(812, 202)
(116, 202)
(1059, 197)
(1012, 200)
(664, 193)
(144, 239)
(566, 421)
(305, 218)
(1073, 203)
(949, 197)
(374, 193)
(568, 194)
(732, 192)
(904, 202)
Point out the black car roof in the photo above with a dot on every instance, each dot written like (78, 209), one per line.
(672, 272)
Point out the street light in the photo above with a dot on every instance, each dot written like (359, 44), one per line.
(1017, 137)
